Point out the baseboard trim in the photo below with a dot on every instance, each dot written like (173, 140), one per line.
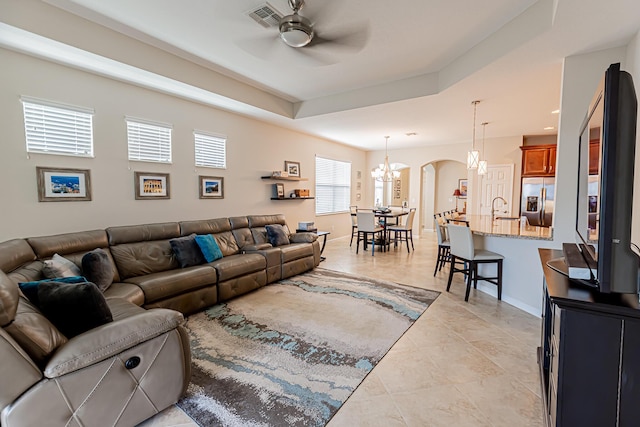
(493, 291)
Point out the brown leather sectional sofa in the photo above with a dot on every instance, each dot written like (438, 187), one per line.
(90, 379)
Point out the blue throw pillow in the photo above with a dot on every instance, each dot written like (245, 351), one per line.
(187, 251)
(30, 289)
(209, 247)
(277, 235)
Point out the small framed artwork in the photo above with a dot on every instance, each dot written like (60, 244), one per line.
(462, 186)
(358, 197)
(358, 185)
(358, 174)
(279, 189)
(63, 185)
(150, 186)
(293, 168)
(211, 187)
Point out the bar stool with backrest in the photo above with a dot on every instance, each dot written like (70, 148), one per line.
(462, 249)
(403, 233)
(367, 226)
(354, 222)
(443, 243)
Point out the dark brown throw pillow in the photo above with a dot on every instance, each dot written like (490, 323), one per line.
(97, 268)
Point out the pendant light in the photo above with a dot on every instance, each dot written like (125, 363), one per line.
(473, 156)
(384, 172)
(482, 164)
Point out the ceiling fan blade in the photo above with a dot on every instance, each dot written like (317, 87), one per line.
(350, 40)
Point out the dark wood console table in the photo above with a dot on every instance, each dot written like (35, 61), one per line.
(589, 355)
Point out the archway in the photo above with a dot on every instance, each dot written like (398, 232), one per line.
(438, 181)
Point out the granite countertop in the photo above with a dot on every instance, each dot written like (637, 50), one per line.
(483, 226)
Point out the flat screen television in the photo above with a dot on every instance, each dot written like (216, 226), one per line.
(605, 184)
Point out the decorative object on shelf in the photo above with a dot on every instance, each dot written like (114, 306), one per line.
(473, 156)
(482, 164)
(301, 192)
(385, 172)
(211, 187)
(63, 185)
(306, 226)
(280, 174)
(462, 186)
(279, 188)
(292, 168)
(151, 186)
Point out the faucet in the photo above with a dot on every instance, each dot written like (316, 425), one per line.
(493, 210)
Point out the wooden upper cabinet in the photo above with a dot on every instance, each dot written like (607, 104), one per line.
(538, 160)
(594, 157)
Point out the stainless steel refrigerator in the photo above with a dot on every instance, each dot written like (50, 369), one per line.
(537, 200)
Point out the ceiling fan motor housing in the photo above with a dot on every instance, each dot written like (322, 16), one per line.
(296, 30)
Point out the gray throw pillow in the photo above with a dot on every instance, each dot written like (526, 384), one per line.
(303, 237)
(59, 266)
(187, 251)
(277, 235)
(97, 268)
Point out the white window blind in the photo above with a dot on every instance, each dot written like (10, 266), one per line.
(148, 141)
(210, 150)
(52, 128)
(333, 186)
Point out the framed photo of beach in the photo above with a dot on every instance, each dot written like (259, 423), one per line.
(63, 185)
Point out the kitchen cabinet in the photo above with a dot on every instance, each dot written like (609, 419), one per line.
(538, 160)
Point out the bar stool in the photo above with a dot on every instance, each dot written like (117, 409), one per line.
(462, 249)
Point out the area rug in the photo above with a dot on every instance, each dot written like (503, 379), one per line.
(292, 352)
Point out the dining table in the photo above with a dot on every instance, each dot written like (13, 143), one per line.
(386, 215)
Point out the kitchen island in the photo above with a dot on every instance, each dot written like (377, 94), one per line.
(483, 225)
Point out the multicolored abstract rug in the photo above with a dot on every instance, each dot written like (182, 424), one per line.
(292, 352)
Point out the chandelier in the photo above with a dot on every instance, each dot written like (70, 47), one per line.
(384, 172)
(473, 156)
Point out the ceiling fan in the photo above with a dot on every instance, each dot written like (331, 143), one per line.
(316, 32)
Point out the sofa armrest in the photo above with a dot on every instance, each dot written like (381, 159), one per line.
(110, 339)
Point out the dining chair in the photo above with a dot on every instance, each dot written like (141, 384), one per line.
(403, 233)
(463, 250)
(367, 226)
(444, 247)
(354, 222)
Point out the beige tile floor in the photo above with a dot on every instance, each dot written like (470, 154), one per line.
(461, 364)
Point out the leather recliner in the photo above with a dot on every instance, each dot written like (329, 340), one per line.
(117, 374)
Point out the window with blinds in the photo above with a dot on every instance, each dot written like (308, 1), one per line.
(52, 128)
(148, 141)
(211, 150)
(333, 186)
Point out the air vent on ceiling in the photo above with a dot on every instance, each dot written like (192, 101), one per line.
(266, 15)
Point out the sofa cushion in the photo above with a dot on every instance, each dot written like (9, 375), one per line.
(97, 268)
(59, 266)
(162, 285)
(126, 291)
(296, 251)
(277, 235)
(233, 266)
(227, 243)
(187, 251)
(208, 246)
(8, 299)
(139, 259)
(15, 253)
(73, 308)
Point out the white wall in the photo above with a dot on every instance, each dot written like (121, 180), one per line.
(254, 149)
(448, 173)
(632, 65)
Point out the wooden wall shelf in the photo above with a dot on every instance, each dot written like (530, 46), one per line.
(285, 178)
(292, 198)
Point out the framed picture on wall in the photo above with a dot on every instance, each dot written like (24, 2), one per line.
(63, 185)
(292, 167)
(149, 186)
(211, 187)
(462, 186)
